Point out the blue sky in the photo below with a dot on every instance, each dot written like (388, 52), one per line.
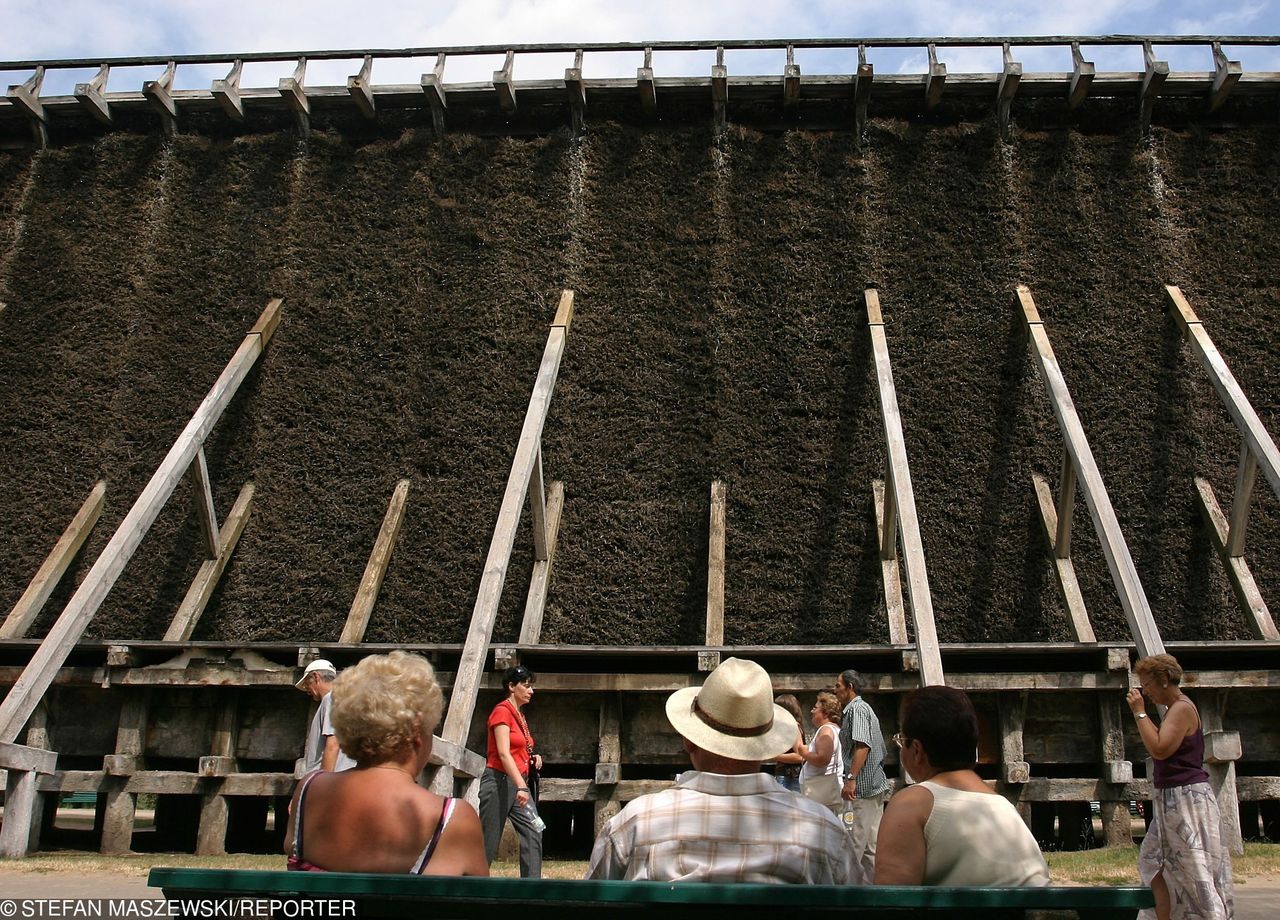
(88, 28)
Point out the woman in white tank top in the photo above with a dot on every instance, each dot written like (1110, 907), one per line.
(950, 828)
(822, 756)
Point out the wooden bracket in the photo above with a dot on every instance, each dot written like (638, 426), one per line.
(202, 493)
(291, 88)
(360, 89)
(1226, 74)
(894, 608)
(540, 579)
(227, 92)
(862, 91)
(1257, 616)
(577, 91)
(502, 83)
(205, 583)
(710, 660)
(720, 90)
(790, 79)
(1082, 76)
(935, 79)
(645, 85)
(1063, 568)
(376, 569)
(1010, 77)
(92, 96)
(437, 101)
(1153, 76)
(26, 96)
(160, 94)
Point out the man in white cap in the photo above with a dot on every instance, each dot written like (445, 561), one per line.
(322, 751)
(724, 820)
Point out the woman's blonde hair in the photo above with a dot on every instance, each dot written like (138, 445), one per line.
(383, 703)
(1164, 667)
(829, 706)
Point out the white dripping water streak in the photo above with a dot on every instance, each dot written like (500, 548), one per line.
(575, 249)
(721, 210)
(19, 229)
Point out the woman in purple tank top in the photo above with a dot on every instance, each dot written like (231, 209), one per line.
(1184, 856)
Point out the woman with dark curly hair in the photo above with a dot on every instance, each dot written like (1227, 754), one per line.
(505, 790)
(1184, 857)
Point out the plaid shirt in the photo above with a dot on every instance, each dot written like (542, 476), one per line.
(859, 725)
(714, 828)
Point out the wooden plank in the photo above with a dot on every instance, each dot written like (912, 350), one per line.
(709, 661)
(862, 80)
(894, 609)
(576, 89)
(1082, 76)
(645, 85)
(374, 571)
(790, 79)
(433, 88)
(48, 658)
(1226, 75)
(462, 699)
(463, 761)
(24, 757)
(19, 813)
(1257, 616)
(55, 565)
(202, 495)
(1063, 569)
(227, 92)
(1154, 75)
(1010, 77)
(1246, 473)
(719, 91)
(609, 754)
(503, 85)
(361, 92)
(1013, 711)
(207, 577)
(92, 98)
(899, 482)
(1222, 775)
(1066, 508)
(295, 97)
(1238, 406)
(540, 580)
(935, 79)
(1123, 572)
(538, 509)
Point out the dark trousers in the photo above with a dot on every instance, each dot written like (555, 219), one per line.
(497, 804)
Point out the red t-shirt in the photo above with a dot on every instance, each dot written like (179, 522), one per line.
(506, 714)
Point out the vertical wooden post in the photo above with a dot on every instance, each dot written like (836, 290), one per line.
(710, 660)
(23, 765)
(1015, 771)
(1117, 827)
(1221, 750)
(131, 733)
(608, 761)
(211, 835)
(895, 610)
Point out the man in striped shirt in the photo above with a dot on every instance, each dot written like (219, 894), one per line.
(724, 820)
(865, 785)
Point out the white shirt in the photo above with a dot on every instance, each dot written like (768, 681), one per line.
(972, 838)
(834, 765)
(714, 828)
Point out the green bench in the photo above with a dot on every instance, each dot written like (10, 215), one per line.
(437, 898)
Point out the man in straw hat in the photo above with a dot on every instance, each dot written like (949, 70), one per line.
(724, 820)
(322, 751)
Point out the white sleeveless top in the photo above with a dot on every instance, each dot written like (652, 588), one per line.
(808, 770)
(972, 838)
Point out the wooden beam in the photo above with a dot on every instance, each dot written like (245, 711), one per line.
(576, 88)
(899, 483)
(935, 79)
(1153, 76)
(1246, 473)
(1226, 74)
(456, 756)
(1010, 76)
(1124, 574)
(540, 580)
(1116, 824)
(1257, 616)
(1014, 769)
(1081, 78)
(862, 91)
(361, 92)
(92, 96)
(1222, 771)
(55, 565)
(645, 85)
(893, 606)
(719, 90)
(1066, 508)
(790, 79)
(462, 699)
(44, 663)
(376, 569)
(437, 101)
(202, 493)
(227, 92)
(160, 94)
(205, 583)
(19, 813)
(710, 660)
(24, 757)
(504, 86)
(538, 509)
(295, 97)
(26, 96)
(1063, 569)
(608, 758)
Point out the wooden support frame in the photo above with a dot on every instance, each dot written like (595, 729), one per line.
(576, 89)
(55, 565)
(935, 79)
(202, 494)
(361, 91)
(1154, 74)
(720, 91)
(1063, 569)
(862, 79)
(1012, 707)
(710, 660)
(1226, 74)
(43, 666)
(645, 85)
(26, 96)
(437, 101)
(21, 810)
(160, 94)
(227, 92)
(540, 580)
(503, 85)
(205, 583)
(900, 497)
(92, 96)
(1258, 451)
(1082, 75)
(295, 97)
(790, 79)
(1221, 750)
(121, 804)
(1010, 77)
(1116, 827)
(466, 683)
(1119, 561)
(211, 833)
(374, 571)
(886, 539)
(608, 758)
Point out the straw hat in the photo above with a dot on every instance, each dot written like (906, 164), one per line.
(320, 664)
(733, 714)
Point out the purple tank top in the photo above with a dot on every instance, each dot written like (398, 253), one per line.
(1184, 766)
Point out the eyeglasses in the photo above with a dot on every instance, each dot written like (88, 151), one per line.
(900, 741)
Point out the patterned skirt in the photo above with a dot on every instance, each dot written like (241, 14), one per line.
(1186, 844)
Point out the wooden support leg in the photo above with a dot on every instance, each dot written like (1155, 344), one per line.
(1222, 750)
(605, 809)
(211, 839)
(1116, 827)
(19, 811)
(1015, 769)
(471, 791)
(117, 827)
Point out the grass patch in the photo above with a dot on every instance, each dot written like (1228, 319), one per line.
(1119, 865)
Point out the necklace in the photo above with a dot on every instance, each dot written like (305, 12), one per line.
(524, 727)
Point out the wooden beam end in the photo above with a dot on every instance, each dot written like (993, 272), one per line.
(1182, 311)
(268, 320)
(1028, 304)
(564, 312)
(872, 297)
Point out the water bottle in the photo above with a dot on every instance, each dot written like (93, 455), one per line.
(534, 818)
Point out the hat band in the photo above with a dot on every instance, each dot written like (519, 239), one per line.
(712, 722)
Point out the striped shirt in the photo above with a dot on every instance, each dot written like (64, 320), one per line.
(714, 828)
(859, 725)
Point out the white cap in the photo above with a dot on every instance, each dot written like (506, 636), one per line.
(320, 664)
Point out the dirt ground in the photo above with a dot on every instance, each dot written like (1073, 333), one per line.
(720, 333)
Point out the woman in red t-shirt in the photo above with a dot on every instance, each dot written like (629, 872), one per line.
(504, 787)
